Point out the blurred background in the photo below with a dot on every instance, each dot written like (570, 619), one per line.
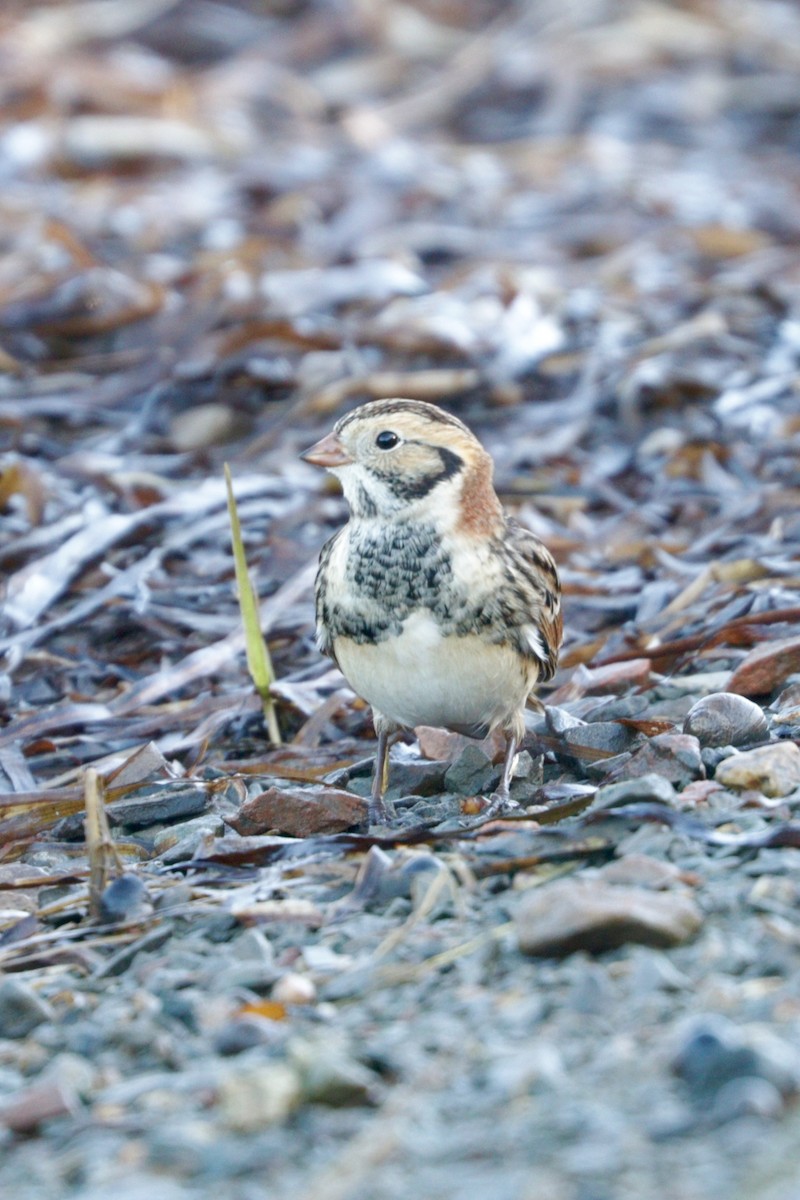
(574, 223)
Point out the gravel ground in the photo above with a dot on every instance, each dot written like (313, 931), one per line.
(319, 1034)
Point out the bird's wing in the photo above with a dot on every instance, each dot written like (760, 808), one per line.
(322, 589)
(531, 598)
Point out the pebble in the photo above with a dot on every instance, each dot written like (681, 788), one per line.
(300, 813)
(330, 1074)
(712, 1050)
(773, 770)
(641, 870)
(21, 1009)
(473, 772)
(593, 915)
(766, 667)
(600, 739)
(242, 1033)
(646, 787)
(674, 756)
(725, 719)
(418, 778)
(125, 899)
(445, 746)
(31, 1107)
(165, 805)
(293, 988)
(18, 901)
(179, 842)
(251, 1097)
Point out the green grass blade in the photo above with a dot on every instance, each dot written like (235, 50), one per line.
(259, 662)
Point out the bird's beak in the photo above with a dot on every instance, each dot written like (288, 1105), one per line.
(328, 452)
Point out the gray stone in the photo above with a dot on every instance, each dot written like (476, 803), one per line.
(641, 870)
(674, 756)
(181, 841)
(242, 1033)
(166, 804)
(725, 719)
(420, 778)
(601, 739)
(591, 915)
(472, 774)
(331, 1075)
(712, 1050)
(647, 787)
(21, 1009)
(125, 899)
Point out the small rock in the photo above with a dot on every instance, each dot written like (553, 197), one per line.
(712, 756)
(242, 1033)
(188, 834)
(383, 877)
(766, 667)
(257, 1096)
(640, 870)
(34, 1105)
(557, 720)
(300, 813)
(418, 778)
(125, 899)
(699, 792)
(21, 1009)
(330, 1075)
(600, 681)
(786, 710)
(600, 739)
(772, 770)
(591, 915)
(711, 1051)
(168, 804)
(473, 772)
(647, 787)
(293, 988)
(21, 900)
(442, 745)
(726, 719)
(432, 886)
(674, 756)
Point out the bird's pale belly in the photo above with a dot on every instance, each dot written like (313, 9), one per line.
(422, 678)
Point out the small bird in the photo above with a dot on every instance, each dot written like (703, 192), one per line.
(437, 607)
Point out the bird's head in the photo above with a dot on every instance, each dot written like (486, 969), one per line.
(401, 458)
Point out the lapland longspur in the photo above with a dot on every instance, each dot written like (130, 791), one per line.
(437, 607)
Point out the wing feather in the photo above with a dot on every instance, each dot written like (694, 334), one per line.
(531, 598)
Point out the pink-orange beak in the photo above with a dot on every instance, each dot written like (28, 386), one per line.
(328, 452)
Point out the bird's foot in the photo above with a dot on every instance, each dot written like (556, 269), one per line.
(499, 804)
(380, 811)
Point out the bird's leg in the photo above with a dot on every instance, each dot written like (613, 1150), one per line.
(501, 800)
(508, 766)
(381, 811)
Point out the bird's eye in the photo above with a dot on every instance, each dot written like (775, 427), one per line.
(386, 439)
